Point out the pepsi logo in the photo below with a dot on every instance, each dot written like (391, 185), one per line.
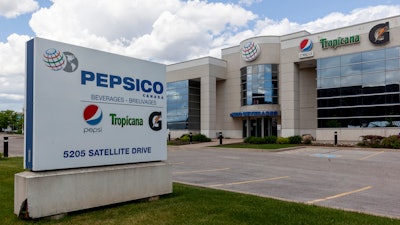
(92, 115)
(306, 45)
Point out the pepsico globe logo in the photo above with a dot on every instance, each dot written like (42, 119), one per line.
(57, 60)
(92, 115)
(250, 51)
(306, 45)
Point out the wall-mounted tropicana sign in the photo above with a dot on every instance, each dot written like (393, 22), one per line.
(339, 42)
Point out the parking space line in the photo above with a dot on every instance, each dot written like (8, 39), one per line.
(339, 195)
(249, 181)
(200, 171)
(371, 155)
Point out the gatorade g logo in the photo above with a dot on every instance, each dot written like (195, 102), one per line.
(155, 121)
(379, 34)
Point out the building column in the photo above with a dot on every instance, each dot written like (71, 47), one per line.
(208, 105)
(248, 128)
(262, 127)
(289, 99)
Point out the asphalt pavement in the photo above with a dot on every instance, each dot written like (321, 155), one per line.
(15, 144)
(354, 179)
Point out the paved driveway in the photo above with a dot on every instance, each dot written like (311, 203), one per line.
(15, 144)
(353, 179)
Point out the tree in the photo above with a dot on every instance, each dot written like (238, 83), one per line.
(10, 118)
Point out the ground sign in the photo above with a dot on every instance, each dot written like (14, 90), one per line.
(91, 108)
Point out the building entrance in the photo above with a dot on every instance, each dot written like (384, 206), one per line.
(260, 127)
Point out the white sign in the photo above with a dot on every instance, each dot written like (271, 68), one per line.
(90, 108)
(306, 54)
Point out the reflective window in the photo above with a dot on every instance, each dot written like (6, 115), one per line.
(259, 84)
(350, 59)
(183, 105)
(351, 69)
(373, 55)
(328, 62)
(360, 89)
(393, 53)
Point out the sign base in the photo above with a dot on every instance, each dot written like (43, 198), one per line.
(49, 193)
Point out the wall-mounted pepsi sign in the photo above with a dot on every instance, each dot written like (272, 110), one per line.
(91, 108)
(306, 46)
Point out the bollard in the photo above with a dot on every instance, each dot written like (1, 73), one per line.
(335, 138)
(220, 138)
(5, 146)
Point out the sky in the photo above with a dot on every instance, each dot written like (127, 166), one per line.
(163, 31)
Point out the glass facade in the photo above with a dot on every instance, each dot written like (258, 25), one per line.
(259, 84)
(360, 89)
(183, 105)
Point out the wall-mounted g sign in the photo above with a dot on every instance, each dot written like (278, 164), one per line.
(379, 34)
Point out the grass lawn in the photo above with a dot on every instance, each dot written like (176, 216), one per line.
(188, 205)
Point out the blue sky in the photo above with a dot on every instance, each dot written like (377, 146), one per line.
(156, 30)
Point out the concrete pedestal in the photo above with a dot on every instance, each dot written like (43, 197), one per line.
(49, 193)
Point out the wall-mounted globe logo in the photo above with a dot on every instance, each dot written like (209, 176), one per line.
(92, 115)
(306, 45)
(250, 51)
(57, 60)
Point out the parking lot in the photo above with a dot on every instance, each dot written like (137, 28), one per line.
(353, 179)
(362, 180)
(15, 144)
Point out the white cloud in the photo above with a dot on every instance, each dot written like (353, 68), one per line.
(163, 31)
(14, 8)
(248, 2)
(328, 22)
(12, 72)
(12, 55)
(361, 15)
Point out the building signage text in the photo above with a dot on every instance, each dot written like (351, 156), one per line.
(339, 42)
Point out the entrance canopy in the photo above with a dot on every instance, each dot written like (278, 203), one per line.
(254, 114)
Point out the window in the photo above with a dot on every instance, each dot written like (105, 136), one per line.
(259, 84)
(360, 89)
(183, 105)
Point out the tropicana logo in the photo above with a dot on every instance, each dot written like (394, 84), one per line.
(125, 121)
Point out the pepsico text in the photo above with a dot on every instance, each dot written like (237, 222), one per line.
(127, 83)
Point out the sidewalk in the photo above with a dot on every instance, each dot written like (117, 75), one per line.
(213, 142)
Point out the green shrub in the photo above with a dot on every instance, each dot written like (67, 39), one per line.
(254, 140)
(282, 140)
(246, 140)
(295, 139)
(392, 141)
(258, 140)
(373, 141)
(201, 138)
(249, 140)
(185, 138)
(270, 139)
